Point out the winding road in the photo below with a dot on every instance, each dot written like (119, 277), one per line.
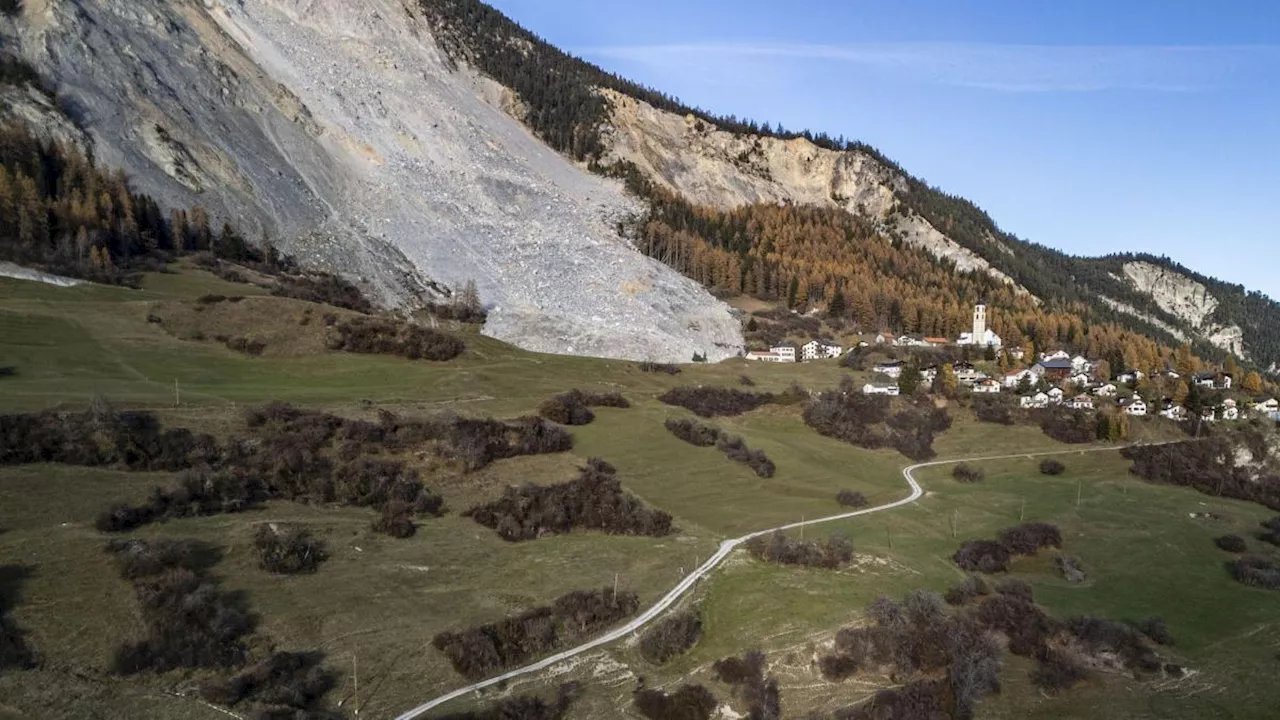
(692, 578)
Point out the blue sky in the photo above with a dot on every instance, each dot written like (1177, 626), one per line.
(1153, 126)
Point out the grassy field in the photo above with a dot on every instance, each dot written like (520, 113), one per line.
(379, 601)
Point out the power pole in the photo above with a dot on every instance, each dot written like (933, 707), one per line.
(802, 527)
(953, 523)
(177, 397)
(889, 533)
(1022, 512)
(355, 679)
(1079, 488)
(615, 588)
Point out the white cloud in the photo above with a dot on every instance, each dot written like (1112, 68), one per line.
(1007, 68)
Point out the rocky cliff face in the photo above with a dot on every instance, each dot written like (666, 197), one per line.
(1187, 300)
(720, 169)
(339, 129)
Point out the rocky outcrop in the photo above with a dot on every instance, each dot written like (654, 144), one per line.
(340, 130)
(1187, 300)
(712, 167)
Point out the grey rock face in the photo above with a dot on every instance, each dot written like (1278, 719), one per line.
(340, 129)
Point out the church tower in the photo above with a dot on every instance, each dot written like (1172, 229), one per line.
(979, 323)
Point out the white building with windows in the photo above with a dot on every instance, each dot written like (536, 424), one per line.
(820, 349)
(779, 354)
(981, 336)
(1137, 408)
(872, 389)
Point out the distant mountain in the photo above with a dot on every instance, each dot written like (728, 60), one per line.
(417, 144)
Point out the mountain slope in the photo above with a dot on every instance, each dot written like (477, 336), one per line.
(340, 130)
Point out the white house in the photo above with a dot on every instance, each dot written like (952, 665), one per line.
(1137, 408)
(1081, 364)
(779, 354)
(987, 386)
(967, 372)
(1079, 379)
(1016, 353)
(1213, 381)
(1174, 412)
(892, 368)
(819, 349)
(1081, 402)
(870, 389)
(1209, 415)
(929, 374)
(1012, 379)
(884, 337)
(1055, 395)
(1107, 390)
(1130, 376)
(1230, 413)
(1039, 400)
(910, 341)
(1266, 406)
(1056, 355)
(981, 334)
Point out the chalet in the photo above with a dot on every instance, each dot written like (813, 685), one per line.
(884, 337)
(1214, 381)
(1016, 353)
(871, 389)
(1176, 413)
(820, 349)
(1266, 406)
(1053, 370)
(1138, 407)
(1081, 402)
(1037, 401)
(937, 341)
(1171, 374)
(1056, 355)
(1081, 364)
(1014, 378)
(1130, 376)
(788, 352)
(1230, 413)
(1209, 414)
(987, 386)
(1107, 390)
(929, 374)
(967, 373)
(1055, 395)
(1079, 379)
(892, 368)
(910, 341)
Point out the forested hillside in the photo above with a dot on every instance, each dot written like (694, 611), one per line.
(810, 258)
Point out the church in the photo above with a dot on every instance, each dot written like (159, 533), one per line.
(981, 335)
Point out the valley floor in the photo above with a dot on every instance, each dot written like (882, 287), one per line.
(374, 607)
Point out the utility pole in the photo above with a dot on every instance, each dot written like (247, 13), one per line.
(889, 533)
(1022, 512)
(177, 397)
(1079, 488)
(802, 527)
(953, 523)
(615, 588)
(355, 679)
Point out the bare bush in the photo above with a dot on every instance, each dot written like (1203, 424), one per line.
(1068, 426)
(970, 588)
(689, 702)
(381, 336)
(868, 421)
(1030, 538)
(1257, 571)
(523, 707)
(1231, 543)
(1070, 568)
(747, 677)
(712, 401)
(919, 700)
(832, 553)
(986, 556)
(574, 407)
(1206, 464)
(653, 367)
(288, 549)
(483, 650)
(1000, 409)
(851, 498)
(280, 685)
(594, 500)
(1052, 467)
(737, 450)
(15, 652)
(1057, 670)
(1156, 629)
(966, 473)
(1098, 636)
(672, 636)
(693, 432)
(1016, 587)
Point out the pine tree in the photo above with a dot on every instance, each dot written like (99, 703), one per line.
(1252, 383)
(945, 383)
(910, 380)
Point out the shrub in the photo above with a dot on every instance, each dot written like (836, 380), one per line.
(693, 432)
(573, 407)
(968, 589)
(395, 520)
(834, 552)
(1052, 467)
(738, 451)
(1231, 543)
(1015, 587)
(1026, 626)
(672, 636)
(14, 651)
(747, 676)
(594, 501)
(966, 473)
(1068, 426)
(1257, 571)
(1098, 636)
(746, 381)
(1030, 538)
(986, 556)
(1156, 629)
(1070, 568)
(690, 702)
(287, 549)
(851, 498)
(1058, 670)
(1000, 409)
(714, 401)
(1207, 465)
(485, 649)
(380, 336)
(280, 685)
(918, 700)
(324, 289)
(653, 367)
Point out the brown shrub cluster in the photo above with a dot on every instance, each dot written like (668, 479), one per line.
(713, 401)
(870, 421)
(281, 685)
(1257, 571)
(966, 473)
(672, 636)
(382, 336)
(287, 549)
(747, 677)
(917, 700)
(689, 702)
(574, 407)
(693, 432)
(1068, 426)
(700, 435)
(851, 498)
(654, 367)
(1001, 408)
(1207, 465)
(834, 552)
(486, 649)
(1052, 467)
(594, 500)
(324, 289)
(993, 556)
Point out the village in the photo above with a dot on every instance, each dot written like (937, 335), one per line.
(1052, 379)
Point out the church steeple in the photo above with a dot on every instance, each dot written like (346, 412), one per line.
(979, 322)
